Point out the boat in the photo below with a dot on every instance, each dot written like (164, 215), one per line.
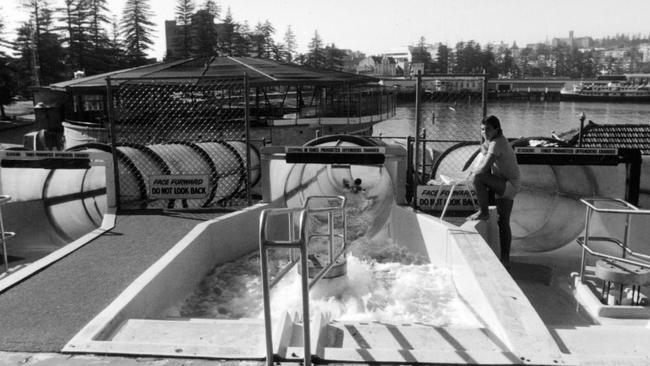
(607, 91)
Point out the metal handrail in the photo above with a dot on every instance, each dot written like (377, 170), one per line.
(628, 209)
(607, 256)
(629, 251)
(300, 242)
(4, 235)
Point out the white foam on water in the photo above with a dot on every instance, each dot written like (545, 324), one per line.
(371, 291)
(384, 282)
(384, 292)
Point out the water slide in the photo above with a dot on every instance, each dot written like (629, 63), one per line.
(53, 205)
(50, 207)
(547, 213)
(367, 188)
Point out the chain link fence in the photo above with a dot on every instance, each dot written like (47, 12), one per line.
(182, 143)
(451, 107)
(449, 111)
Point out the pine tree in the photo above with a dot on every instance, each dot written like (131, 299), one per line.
(205, 34)
(98, 20)
(212, 7)
(290, 44)
(268, 30)
(117, 59)
(137, 28)
(3, 42)
(241, 40)
(184, 11)
(334, 57)
(7, 79)
(227, 35)
(44, 53)
(316, 54)
(36, 18)
(258, 42)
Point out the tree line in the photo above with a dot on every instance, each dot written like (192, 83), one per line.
(542, 60)
(82, 35)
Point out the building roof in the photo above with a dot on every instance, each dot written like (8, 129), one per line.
(259, 71)
(633, 136)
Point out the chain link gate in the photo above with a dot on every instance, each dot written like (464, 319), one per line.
(450, 108)
(182, 142)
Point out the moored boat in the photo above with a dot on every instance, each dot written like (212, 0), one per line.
(612, 91)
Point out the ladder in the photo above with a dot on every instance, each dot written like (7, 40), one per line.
(297, 239)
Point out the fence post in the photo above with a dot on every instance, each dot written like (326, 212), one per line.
(111, 131)
(484, 94)
(418, 126)
(349, 102)
(409, 171)
(248, 141)
(424, 153)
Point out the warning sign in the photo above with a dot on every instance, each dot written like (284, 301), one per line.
(434, 197)
(178, 186)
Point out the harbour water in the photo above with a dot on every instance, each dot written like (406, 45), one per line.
(519, 119)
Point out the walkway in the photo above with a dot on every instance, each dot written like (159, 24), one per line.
(45, 311)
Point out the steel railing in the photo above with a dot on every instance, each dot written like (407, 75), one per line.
(4, 235)
(298, 238)
(626, 209)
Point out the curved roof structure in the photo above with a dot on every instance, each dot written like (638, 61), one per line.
(259, 71)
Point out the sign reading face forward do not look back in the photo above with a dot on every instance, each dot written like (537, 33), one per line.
(183, 186)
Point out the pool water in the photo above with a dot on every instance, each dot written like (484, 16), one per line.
(383, 283)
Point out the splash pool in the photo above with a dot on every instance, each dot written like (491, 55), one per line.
(421, 291)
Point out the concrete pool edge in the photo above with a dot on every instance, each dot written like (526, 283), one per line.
(505, 308)
(136, 301)
(521, 332)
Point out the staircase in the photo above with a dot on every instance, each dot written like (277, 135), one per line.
(375, 342)
(331, 341)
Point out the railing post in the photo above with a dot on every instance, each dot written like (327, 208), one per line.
(626, 233)
(410, 175)
(349, 102)
(305, 303)
(111, 129)
(3, 235)
(424, 153)
(418, 126)
(585, 244)
(268, 327)
(484, 94)
(248, 141)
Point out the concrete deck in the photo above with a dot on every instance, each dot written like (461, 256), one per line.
(545, 279)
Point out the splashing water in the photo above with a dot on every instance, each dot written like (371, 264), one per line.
(384, 282)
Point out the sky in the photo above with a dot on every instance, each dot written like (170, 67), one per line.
(380, 26)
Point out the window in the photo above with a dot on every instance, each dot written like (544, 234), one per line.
(93, 102)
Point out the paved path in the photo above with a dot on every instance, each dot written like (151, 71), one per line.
(45, 311)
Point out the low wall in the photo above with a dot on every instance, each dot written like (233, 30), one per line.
(177, 273)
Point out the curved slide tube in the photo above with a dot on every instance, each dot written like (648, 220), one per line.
(53, 207)
(547, 213)
(370, 201)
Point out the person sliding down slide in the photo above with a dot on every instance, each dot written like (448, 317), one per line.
(498, 172)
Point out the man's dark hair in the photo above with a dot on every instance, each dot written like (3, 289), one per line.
(493, 122)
